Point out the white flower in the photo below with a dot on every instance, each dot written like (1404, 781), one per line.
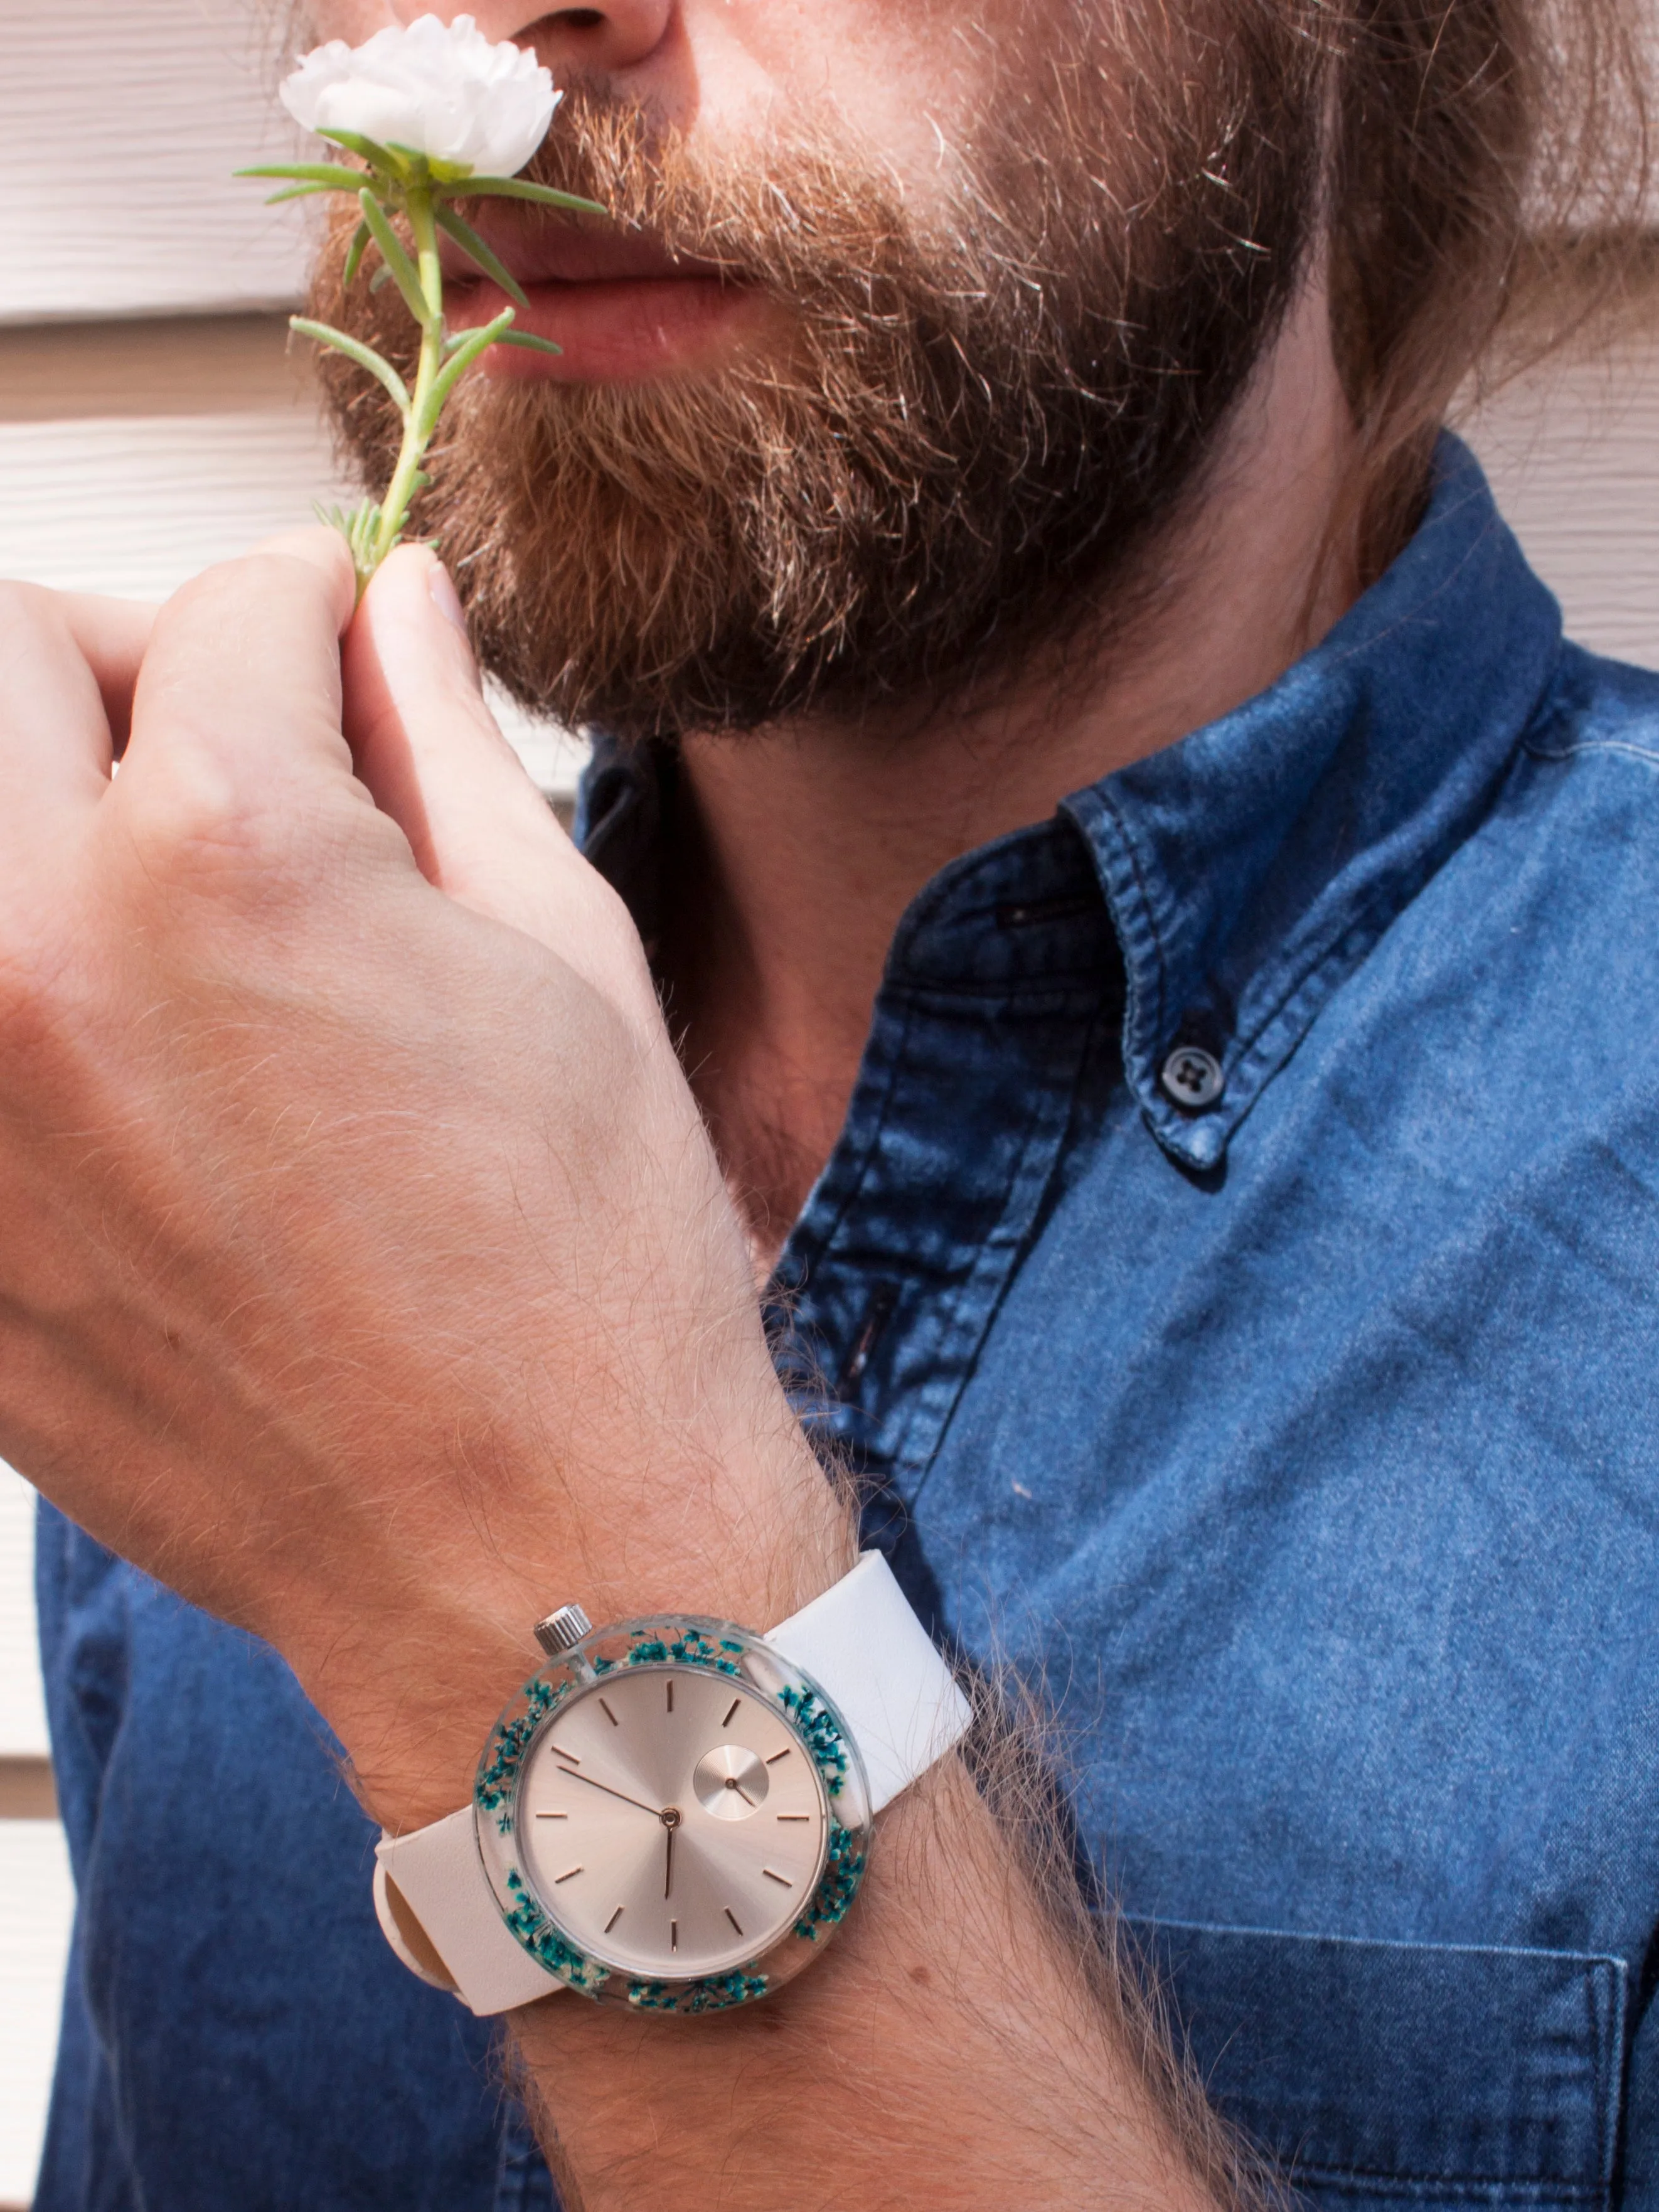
(443, 89)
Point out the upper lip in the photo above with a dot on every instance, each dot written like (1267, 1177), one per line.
(542, 249)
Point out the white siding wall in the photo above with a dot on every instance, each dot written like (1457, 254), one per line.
(1573, 455)
(150, 422)
(120, 121)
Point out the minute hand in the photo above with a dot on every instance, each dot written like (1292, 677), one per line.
(655, 1811)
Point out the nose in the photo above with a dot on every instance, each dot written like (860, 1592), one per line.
(598, 39)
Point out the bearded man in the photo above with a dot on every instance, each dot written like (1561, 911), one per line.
(1103, 893)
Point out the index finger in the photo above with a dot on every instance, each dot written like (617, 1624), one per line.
(241, 684)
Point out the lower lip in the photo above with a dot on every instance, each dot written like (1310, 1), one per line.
(622, 331)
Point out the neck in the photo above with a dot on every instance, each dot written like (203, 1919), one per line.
(800, 848)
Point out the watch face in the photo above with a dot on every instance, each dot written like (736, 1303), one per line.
(672, 1821)
(671, 1816)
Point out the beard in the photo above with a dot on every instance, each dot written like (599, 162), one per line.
(967, 437)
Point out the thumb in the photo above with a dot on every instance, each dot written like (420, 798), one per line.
(429, 750)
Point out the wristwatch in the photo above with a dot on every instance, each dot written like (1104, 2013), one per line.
(674, 1813)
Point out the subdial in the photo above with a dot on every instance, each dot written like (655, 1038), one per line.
(730, 1782)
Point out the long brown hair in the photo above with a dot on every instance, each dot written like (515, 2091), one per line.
(1490, 161)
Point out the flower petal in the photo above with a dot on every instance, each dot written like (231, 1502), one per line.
(442, 89)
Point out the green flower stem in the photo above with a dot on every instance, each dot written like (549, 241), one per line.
(396, 181)
(419, 418)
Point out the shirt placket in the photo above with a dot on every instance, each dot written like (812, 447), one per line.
(992, 1006)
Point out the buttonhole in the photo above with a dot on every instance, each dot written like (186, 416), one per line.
(883, 1299)
(1014, 914)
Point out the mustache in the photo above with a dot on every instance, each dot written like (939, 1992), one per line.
(792, 210)
(605, 148)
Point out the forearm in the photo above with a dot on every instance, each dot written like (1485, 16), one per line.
(961, 2042)
(396, 1293)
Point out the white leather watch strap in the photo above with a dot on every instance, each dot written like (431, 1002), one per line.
(862, 1642)
(437, 1875)
(859, 1642)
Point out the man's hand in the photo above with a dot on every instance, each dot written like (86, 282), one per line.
(366, 1272)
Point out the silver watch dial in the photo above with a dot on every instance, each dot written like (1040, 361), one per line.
(672, 1822)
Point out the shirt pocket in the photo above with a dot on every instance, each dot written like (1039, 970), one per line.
(1434, 2074)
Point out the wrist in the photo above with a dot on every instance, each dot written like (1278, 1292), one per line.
(412, 1678)
(412, 1701)
(965, 2041)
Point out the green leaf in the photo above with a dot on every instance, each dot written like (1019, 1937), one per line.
(381, 279)
(474, 248)
(528, 339)
(355, 350)
(357, 526)
(515, 188)
(360, 534)
(353, 260)
(298, 192)
(345, 518)
(332, 173)
(474, 344)
(393, 252)
(366, 150)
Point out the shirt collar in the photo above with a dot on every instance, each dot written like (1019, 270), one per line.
(1249, 867)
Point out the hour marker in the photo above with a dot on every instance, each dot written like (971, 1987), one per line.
(732, 1917)
(570, 1755)
(673, 1934)
(609, 1714)
(566, 1875)
(671, 1694)
(773, 1876)
(730, 1710)
(613, 1918)
(565, 1816)
(777, 1755)
(782, 1816)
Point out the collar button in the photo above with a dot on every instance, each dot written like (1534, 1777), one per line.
(1192, 1078)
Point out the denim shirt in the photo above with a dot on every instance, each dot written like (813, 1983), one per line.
(1293, 1425)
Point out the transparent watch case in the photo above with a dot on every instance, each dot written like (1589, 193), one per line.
(554, 1748)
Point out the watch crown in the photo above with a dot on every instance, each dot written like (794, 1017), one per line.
(563, 1629)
